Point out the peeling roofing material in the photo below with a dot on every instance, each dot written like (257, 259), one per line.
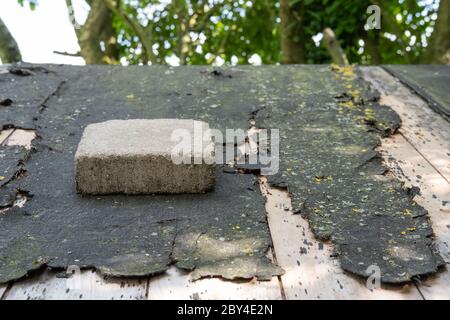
(222, 233)
(329, 122)
(11, 160)
(431, 82)
(26, 90)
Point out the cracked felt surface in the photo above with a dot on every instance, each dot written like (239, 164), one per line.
(25, 94)
(11, 158)
(7, 197)
(429, 81)
(221, 233)
(327, 161)
(330, 124)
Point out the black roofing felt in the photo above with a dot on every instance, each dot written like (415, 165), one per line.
(222, 233)
(432, 82)
(329, 126)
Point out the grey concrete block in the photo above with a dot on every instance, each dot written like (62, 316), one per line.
(136, 157)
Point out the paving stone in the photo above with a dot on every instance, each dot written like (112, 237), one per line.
(145, 157)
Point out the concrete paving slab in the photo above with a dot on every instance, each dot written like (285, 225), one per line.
(145, 156)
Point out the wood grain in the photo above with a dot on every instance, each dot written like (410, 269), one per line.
(88, 285)
(311, 272)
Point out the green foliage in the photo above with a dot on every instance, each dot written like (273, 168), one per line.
(200, 31)
(239, 29)
(205, 31)
(31, 3)
(411, 22)
(399, 40)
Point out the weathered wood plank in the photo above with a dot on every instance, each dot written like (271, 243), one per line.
(175, 284)
(87, 285)
(436, 287)
(3, 288)
(428, 167)
(21, 138)
(311, 272)
(4, 134)
(426, 130)
(409, 166)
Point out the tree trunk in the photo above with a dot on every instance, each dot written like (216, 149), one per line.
(292, 32)
(9, 51)
(438, 50)
(183, 37)
(108, 36)
(334, 48)
(97, 29)
(372, 42)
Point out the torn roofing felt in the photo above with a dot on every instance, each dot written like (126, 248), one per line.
(330, 124)
(431, 82)
(23, 92)
(221, 233)
(327, 160)
(11, 162)
(11, 158)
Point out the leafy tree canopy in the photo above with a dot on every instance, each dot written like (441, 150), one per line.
(232, 32)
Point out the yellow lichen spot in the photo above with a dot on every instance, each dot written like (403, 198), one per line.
(383, 125)
(248, 251)
(391, 190)
(407, 212)
(2, 178)
(408, 230)
(345, 71)
(317, 210)
(356, 210)
(369, 114)
(355, 94)
(130, 96)
(319, 179)
(237, 227)
(347, 104)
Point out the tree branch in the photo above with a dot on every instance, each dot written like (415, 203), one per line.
(72, 19)
(69, 54)
(207, 15)
(136, 27)
(9, 50)
(334, 48)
